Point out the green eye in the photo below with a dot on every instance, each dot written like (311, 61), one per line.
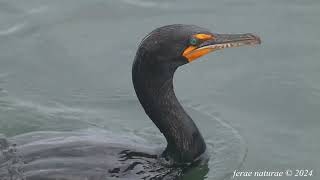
(193, 41)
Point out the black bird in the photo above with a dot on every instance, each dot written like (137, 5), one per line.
(74, 156)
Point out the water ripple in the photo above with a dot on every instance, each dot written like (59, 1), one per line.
(13, 29)
(147, 4)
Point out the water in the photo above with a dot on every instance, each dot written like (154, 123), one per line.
(66, 65)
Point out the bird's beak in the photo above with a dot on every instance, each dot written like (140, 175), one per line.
(220, 41)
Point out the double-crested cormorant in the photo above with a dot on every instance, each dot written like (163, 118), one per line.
(74, 156)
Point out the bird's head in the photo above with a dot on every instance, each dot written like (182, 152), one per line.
(179, 44)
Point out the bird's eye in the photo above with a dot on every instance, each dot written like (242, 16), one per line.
(193, 41)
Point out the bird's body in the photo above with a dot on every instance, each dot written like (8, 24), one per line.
(82, 156)
(76, 156)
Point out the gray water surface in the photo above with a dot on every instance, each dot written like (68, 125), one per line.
(66, 65)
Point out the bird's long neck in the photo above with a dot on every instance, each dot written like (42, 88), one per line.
(154, 88)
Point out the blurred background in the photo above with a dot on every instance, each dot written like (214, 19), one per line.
(66, 65)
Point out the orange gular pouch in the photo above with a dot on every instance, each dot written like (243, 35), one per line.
(191, 54)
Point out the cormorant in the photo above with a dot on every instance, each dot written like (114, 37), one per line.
(73, 156)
